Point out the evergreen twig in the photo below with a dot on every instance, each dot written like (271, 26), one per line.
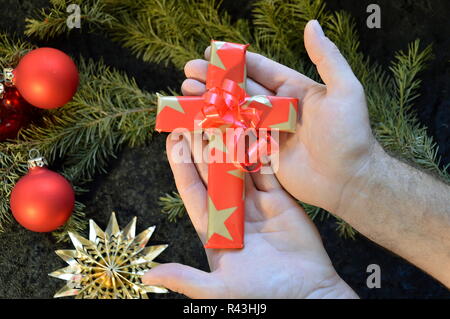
(172, 205)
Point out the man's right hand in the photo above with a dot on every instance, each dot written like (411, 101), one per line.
(334, 162)
(333, 140)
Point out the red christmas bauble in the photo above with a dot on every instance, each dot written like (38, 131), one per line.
(42, 200)
(47, 78)
(15, 113)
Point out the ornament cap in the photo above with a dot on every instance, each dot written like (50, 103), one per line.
(8, 76)
(36, 160)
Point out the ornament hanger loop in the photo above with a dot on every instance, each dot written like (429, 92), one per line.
(5, 80)
(34, 151)
(36, 160)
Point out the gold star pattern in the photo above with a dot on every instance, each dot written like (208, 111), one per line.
(263, 99)
(169, 101)
(217, 219)
(289, 125)
(215, 59)
(243, 84)
(237, 173)
(110, 264)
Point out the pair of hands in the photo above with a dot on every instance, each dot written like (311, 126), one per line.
(284, 256)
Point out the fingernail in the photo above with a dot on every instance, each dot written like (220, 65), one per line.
(317, 28)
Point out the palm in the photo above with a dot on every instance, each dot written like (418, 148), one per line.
(283, 256)
(274, 238)
(331, 142)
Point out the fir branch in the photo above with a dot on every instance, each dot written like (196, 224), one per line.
(341, 29)
(315, 213)
(172, 31)
(344, 229)
(52, 22)
(13, 165)
(172, 206)
(279, 27)
(76, 223)
(405, 69)
(214, 23)
(155, 30)
(109, 110)
(270, 19)
(139, 35)
(12, 49)
(398, 128)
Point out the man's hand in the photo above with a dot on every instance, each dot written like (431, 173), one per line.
(333, 140)
(283, 255)
(334, 162)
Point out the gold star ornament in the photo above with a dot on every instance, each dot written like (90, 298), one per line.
(110, 264)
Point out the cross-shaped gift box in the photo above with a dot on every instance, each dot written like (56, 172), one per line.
(224, 106)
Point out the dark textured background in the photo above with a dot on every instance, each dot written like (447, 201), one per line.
(138, 176)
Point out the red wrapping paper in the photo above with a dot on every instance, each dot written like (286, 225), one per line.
(226, 69)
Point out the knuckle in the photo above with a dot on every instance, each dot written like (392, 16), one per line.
(187, 66)
(190, 65)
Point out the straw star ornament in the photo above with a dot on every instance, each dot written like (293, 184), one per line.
(110, 264)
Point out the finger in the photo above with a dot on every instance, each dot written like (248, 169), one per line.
(334, 70)
(198, 144)
(249, 184)
(254, 88)
(189, 184)
(197, 70)
(251, 193)
(193, 87)
(186, 280)
(265, 181)
(273, 75)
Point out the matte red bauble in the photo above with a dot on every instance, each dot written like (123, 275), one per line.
(47, 78)
(42, 200)
(15, 113)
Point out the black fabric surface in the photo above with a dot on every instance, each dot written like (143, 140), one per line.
(140, 175)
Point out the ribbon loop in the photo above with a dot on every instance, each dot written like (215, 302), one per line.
(226, 107)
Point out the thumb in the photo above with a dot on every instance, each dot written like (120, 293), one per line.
(334, 70)
(186, 280)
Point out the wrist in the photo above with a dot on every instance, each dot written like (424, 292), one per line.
(335, 288)
(343, 291)
(360, 181)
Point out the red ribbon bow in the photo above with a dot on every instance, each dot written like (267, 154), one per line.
(227, 106)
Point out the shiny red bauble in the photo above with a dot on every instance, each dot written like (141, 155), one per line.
(15, 113)
(47, 78)
(42, 200)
